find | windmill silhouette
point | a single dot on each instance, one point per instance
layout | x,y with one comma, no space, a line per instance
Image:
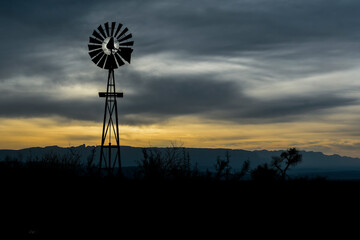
110,49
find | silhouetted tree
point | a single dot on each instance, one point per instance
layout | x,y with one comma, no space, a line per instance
55,165
287,159
171,163
10,166
244,169
90,167
223,169
195,172
152,166
12,162
177,161
264,173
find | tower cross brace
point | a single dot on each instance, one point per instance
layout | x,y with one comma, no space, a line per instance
110,157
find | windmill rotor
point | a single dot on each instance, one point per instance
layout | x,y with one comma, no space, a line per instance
110,45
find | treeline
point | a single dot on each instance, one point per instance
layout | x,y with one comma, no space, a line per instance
174,164
171,163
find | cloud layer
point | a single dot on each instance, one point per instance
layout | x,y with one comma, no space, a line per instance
239,62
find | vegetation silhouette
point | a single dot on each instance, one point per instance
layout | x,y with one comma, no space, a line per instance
60,194
287,159
169,164
224,170
263,173
50,165
173,163
278,167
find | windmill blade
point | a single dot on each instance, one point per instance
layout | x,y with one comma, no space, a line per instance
101,30
123,32
107,29
97,35
112,28
98,57
127,43
125,53
93,40
120,62
94,47
96,52
118,29
102,61
125,38
110,62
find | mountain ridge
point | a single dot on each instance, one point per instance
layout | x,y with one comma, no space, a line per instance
314,163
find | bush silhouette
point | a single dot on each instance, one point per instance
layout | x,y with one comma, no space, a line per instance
172,163
49,165
264,173
279,166
224,170
222,167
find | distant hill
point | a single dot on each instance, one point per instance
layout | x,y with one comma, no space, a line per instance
313,164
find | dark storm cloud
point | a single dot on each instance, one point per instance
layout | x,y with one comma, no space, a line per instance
158,101
283,110
197,27
223,101
207,27
34,35
47,39
42,105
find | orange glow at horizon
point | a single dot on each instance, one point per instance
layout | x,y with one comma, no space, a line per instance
192,132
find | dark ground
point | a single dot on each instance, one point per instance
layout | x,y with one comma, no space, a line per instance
109,208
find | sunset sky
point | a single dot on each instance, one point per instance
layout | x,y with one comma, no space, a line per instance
245,74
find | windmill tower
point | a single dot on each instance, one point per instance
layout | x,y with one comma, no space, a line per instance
109,48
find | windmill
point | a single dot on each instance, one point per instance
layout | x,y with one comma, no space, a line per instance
109,48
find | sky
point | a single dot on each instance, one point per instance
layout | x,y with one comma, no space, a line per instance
245,74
